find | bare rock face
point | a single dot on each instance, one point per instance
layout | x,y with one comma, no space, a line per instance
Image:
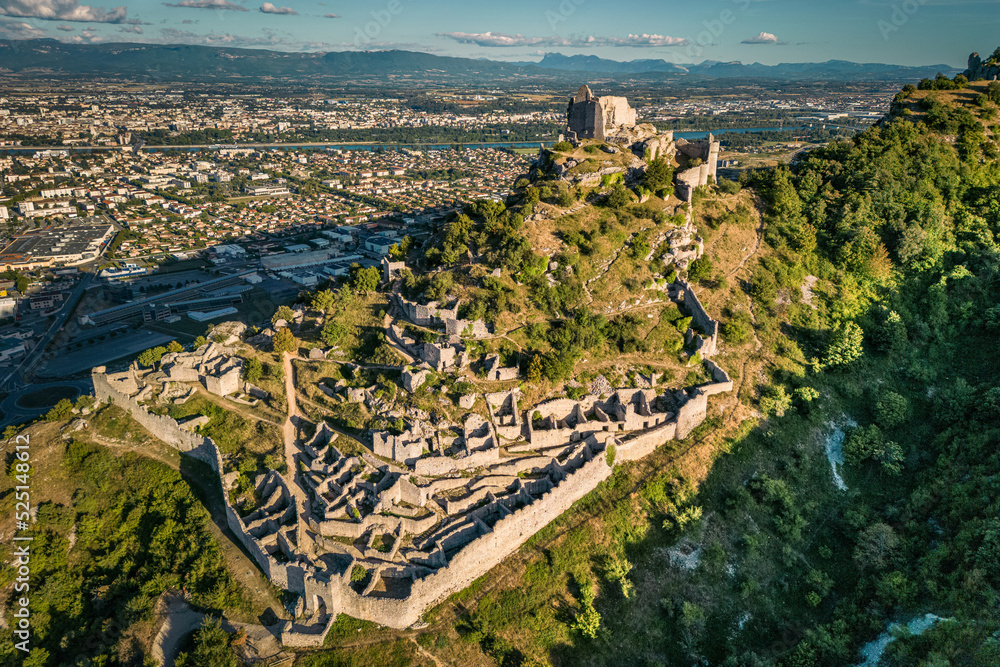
980,70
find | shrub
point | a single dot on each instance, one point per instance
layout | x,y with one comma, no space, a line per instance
739,329
565,198
563,147
730,187
701,269
252,370
59,411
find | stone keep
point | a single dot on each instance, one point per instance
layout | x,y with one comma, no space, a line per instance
225,384
591,117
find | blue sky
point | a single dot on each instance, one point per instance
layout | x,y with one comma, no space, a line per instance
909,32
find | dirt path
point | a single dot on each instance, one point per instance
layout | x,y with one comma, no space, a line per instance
179,620
289,433
760,239
232,406
424,652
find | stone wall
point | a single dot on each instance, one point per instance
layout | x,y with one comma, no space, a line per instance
478,556
709,345
433,314
290,576
706,150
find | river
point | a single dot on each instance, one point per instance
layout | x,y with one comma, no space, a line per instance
369,146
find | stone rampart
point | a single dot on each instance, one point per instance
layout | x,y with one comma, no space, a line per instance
700,317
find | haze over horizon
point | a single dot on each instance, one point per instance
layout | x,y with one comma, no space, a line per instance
914,32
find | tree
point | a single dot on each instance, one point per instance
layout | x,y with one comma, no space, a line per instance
332,332
212,646
890,334
701,269
739,329
252,370
365,280
60,410
323,301
588,620
868,443
877,547
283,313
659,175
199,341
151,357
618,570
565,198
174,347
763,287
618,197
846,347
284,341
891,410
535,369
775,400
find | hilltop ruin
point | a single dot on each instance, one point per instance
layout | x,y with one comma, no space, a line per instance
612,120
385,534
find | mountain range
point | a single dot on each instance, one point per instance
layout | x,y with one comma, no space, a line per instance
44,58
831,70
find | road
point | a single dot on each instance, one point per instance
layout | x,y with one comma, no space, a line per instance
21,380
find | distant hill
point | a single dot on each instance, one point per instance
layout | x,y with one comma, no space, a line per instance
186,62
832,70
51,58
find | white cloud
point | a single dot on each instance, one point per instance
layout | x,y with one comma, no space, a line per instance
499,39
268,8
19,30
762,38
208,4
62,10
66,28
331,16
135,29
88,36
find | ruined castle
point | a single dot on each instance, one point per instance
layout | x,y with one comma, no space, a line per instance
598,118
612,120
384,535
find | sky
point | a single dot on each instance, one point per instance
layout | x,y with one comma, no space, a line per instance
905,32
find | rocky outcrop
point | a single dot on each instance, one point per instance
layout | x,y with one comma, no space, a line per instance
980,70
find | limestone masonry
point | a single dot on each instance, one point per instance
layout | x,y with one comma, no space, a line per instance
428,511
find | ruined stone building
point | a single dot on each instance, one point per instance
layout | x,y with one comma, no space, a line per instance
591,117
